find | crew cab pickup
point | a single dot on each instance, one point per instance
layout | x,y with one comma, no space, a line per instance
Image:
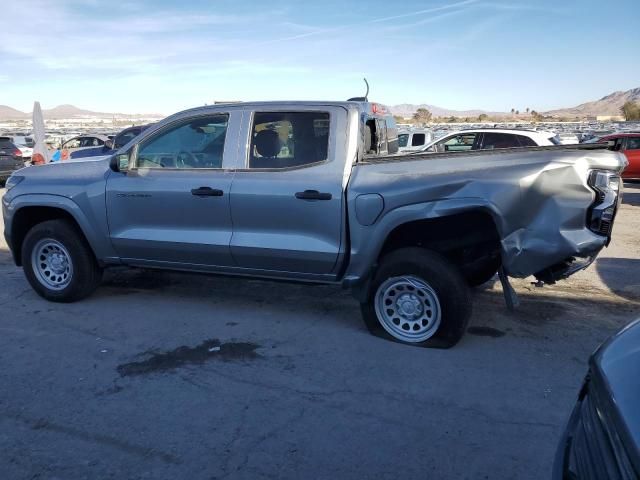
315,192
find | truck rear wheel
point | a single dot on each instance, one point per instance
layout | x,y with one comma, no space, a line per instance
419,298
58,262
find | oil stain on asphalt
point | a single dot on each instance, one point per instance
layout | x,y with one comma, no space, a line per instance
208,350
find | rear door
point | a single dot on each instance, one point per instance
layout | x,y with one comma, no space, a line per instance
171,207
287,195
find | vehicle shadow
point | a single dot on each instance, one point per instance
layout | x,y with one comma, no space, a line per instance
5,256
280,299
621,275
631,197
537,308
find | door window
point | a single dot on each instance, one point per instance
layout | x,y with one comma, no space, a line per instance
73,143
196,143
633,143
417,139
124,137
499,140
459,143
526,141
288,139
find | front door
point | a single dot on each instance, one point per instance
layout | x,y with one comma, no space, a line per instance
286,199
172,204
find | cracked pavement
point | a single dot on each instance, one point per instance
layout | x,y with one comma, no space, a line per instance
320,398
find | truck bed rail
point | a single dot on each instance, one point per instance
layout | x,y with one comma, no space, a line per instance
402,157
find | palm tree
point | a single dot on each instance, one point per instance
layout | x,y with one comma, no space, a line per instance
527,109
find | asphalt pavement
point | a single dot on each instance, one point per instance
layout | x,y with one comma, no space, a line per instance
167,376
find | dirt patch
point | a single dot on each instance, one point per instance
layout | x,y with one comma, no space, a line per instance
207,351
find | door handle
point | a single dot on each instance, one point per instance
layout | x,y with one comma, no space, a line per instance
313,195
207,192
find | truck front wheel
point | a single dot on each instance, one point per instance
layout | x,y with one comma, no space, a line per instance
419,298
58,262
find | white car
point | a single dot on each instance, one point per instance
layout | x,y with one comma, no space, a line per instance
413,139
25,145
490,139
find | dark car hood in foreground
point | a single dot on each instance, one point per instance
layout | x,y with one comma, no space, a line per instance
617,362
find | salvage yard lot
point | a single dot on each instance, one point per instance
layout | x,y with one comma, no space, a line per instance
166,375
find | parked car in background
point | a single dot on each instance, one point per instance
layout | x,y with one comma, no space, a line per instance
629,144
112,144
413,139
566,138
10,158
81,142
490,139
602,437
25,145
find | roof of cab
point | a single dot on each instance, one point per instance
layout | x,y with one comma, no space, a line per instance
368,107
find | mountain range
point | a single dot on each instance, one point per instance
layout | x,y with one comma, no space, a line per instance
65,111
607,105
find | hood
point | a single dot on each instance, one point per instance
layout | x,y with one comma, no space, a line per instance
81,168
68,178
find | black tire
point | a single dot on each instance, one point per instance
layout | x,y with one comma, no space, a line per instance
483,272
442,277
86,274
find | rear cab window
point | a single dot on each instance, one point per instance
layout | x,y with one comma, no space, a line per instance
289,139
380,131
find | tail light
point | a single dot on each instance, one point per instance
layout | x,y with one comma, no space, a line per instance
17,153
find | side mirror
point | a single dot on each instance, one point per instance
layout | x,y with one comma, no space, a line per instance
119,163
109,144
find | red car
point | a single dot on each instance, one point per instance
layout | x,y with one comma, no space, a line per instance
629,144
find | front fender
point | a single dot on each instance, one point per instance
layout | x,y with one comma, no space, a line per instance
92,222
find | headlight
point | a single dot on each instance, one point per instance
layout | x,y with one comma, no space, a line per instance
601,180
600,217
12,181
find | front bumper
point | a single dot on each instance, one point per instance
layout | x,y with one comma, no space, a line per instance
6,216
567,267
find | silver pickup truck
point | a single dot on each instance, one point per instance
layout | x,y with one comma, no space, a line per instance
315,192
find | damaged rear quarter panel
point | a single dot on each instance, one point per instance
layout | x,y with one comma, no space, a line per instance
538,199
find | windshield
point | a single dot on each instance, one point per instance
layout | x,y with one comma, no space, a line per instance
403,140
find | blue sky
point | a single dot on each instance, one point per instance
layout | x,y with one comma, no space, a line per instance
163,56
